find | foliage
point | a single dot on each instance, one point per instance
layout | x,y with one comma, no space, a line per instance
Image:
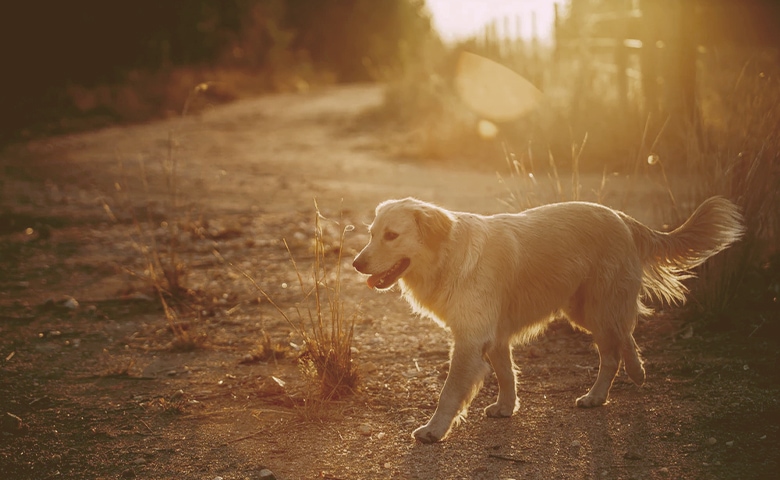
121,61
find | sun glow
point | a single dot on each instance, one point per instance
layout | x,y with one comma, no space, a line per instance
460,19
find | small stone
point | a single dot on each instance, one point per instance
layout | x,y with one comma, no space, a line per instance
712,441
266,474
368,367
663,470
576,443
365,429
70,303
139,461
730,443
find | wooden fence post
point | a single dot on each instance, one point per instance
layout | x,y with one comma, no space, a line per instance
648,59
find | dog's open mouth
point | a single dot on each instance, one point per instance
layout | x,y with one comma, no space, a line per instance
387,278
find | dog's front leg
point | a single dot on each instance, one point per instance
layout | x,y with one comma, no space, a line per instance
500,356
467,371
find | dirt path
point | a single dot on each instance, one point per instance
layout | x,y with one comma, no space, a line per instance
94,391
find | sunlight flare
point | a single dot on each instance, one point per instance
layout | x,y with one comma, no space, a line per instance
492,90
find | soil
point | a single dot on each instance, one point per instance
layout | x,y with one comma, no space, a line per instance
96,385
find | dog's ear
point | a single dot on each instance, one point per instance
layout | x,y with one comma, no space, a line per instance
433,224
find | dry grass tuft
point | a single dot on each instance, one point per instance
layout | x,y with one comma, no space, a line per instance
164,268
266,351
320,319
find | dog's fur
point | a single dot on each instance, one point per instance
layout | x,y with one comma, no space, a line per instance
499,280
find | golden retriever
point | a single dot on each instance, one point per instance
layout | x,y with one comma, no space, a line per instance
499,280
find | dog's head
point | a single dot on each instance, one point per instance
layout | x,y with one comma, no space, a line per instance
404,234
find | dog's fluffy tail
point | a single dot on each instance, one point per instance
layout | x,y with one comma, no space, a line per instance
667,258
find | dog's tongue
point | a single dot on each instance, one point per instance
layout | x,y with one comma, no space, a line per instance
373,280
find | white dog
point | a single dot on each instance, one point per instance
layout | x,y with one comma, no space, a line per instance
499,280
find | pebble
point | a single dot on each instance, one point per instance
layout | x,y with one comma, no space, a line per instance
576,443
266,474
730,443
70,303
369,367
712,441
364,429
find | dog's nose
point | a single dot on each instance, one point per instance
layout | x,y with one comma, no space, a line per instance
358,264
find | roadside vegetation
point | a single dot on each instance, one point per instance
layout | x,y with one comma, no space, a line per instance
547,155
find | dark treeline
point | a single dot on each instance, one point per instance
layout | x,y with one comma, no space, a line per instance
48,45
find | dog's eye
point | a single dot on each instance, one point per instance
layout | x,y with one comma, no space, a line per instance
390,235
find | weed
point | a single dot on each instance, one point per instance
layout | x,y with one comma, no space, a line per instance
176,404
320,319
525,191
266,350
164,269
119,367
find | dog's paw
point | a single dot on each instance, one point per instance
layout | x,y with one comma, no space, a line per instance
589,401
427,434
499,411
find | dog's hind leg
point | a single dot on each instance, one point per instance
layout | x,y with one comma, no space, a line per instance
632,362
609,353
467,372
500,357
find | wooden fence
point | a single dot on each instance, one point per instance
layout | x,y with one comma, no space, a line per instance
649,43
648,48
